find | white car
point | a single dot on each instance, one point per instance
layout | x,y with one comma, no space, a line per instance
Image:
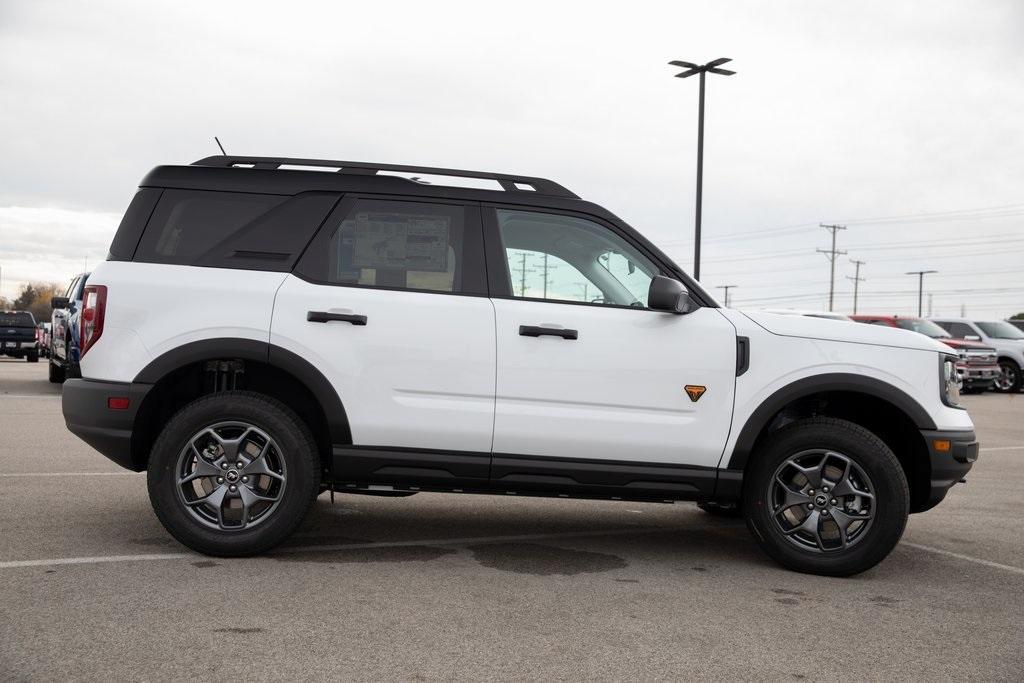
260,335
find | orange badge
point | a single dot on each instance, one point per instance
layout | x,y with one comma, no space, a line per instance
694,391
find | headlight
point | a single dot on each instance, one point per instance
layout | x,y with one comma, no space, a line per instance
949,381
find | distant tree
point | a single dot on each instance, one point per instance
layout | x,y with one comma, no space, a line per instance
34,297
5,303
1019,316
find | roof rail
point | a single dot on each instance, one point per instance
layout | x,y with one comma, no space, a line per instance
509,183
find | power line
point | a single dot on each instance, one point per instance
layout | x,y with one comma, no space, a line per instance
831,256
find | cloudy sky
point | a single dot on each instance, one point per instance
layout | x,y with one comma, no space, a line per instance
903,121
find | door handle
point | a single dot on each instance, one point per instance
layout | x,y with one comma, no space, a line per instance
325,317
536,331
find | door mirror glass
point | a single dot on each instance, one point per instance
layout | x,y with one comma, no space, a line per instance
59,302
670,295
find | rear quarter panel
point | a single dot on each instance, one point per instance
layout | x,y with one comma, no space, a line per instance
154,308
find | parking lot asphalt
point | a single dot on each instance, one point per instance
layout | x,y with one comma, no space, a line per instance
481,587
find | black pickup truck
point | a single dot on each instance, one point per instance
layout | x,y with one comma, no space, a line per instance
18,335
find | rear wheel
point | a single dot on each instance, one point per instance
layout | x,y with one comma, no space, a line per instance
233,474
1009,379
32,356
826,496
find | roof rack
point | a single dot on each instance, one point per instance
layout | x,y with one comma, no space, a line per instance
509,183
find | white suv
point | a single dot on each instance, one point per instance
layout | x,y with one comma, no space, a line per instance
260,334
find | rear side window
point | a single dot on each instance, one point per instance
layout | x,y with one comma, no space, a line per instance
126,239
399,245
232,229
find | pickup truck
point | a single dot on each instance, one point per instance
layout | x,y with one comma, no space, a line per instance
18,335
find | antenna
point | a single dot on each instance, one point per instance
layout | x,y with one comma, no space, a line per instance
220,145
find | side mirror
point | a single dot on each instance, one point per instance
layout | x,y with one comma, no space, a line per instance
59,302
666,294
972,337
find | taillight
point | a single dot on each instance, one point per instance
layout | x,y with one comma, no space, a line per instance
94,307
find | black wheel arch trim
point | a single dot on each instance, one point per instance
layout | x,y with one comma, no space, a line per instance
817,384
264,352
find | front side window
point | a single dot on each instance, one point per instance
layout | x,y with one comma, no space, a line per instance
564,258
395,245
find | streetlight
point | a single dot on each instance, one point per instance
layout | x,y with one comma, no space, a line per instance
692,69
920,286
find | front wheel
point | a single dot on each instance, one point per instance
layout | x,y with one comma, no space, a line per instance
32,356
1009,379
56,373
233,474
826,496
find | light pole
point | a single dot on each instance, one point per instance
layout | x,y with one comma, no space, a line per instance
692,69
726,288
920,287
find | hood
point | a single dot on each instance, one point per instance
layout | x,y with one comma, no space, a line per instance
964,344
844,331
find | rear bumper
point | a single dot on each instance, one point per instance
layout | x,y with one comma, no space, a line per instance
949,465
88,416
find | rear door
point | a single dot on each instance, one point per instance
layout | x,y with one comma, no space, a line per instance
390,303
586,372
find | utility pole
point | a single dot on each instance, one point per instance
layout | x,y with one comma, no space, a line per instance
712,67
831,254
963,310
857,279
920,288
929,305
726,288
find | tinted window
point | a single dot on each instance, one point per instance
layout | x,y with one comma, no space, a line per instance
122,248
565,258
187,223
19,319
398,245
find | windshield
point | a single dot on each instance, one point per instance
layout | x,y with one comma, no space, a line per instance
925,327
1001,330
17,319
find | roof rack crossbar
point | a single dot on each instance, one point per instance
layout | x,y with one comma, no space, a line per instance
509,183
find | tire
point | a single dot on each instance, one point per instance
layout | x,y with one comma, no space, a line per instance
32,356
292,454
1010,381
873,525
56,373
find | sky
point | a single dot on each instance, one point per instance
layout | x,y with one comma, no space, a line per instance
901,121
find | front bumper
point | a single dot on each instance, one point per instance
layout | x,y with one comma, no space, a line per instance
952,454
89,417
978,376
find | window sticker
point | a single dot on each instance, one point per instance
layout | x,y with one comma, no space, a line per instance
400,241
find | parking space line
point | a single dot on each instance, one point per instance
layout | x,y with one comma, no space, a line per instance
1002,448
966,558
69,474
104,559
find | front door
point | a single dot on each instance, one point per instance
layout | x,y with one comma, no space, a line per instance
585,370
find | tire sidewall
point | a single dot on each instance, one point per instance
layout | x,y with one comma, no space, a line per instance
297,451
892,498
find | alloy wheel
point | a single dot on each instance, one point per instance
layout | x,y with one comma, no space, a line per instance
230,476
821,501
1007,377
